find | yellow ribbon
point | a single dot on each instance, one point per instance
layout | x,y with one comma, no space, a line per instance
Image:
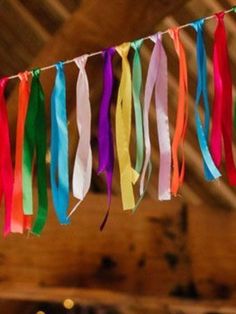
128,175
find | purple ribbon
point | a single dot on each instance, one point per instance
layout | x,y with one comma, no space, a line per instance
105,138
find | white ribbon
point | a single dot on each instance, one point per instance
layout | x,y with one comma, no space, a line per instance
83,161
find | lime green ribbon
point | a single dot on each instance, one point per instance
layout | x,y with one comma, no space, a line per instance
35,141
136,87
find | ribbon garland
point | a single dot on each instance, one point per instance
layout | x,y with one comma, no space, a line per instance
182,114
83,161
223,102
19,221
6,171
210,170
35,141
157,78
59,170
128,175
105,137
31,143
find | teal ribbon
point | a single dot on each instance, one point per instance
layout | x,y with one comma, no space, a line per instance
136,88
59,170
35,142
210,170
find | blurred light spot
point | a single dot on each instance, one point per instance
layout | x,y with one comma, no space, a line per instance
40,312
68,304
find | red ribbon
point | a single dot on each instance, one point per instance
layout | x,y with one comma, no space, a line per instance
19,221
222,105
6,171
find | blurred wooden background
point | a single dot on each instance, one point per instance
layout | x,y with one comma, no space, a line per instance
179,249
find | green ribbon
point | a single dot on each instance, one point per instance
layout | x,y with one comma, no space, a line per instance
35,141
136,87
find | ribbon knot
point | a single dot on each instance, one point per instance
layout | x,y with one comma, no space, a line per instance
24,76
136,45
3,82
198,25
81,62
123,49
220,16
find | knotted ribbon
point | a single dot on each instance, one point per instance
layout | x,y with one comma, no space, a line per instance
223,102
210,170
19,221
136,88
128,175
35,143
157,78
6,171
182,115
59,170
105,138
83,161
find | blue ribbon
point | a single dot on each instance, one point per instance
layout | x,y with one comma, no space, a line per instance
59,147
210,170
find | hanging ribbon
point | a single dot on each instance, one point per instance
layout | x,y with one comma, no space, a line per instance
6,171
59,147
223,102
128,176
157,78
83,161
182,114
210,170
105,138
136,88
19,221
35,140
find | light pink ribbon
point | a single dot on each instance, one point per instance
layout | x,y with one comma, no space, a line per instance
157,78
83,161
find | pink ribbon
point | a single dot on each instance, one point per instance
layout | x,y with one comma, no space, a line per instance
157,78
6,171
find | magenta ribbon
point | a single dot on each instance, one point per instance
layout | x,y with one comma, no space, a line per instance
6,170
105,138
223,102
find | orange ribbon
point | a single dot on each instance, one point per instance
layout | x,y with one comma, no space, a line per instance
19,221
182,114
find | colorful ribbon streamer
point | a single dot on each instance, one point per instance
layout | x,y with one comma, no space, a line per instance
59,170
35,141
105,138
210,170
136,88
157,78
223,102
83,161
6,171
19,221
128,175
182,114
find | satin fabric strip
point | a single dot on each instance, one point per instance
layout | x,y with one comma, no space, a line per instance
35,145
182,115
6,170
105,137
223,102
210,170
157,80
19,221
136,89
59,170
128,175
83,161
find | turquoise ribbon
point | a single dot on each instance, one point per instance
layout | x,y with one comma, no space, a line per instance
59,170
136,87
210,170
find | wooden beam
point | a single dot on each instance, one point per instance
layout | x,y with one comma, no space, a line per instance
122,303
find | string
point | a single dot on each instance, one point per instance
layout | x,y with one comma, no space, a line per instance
233,9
